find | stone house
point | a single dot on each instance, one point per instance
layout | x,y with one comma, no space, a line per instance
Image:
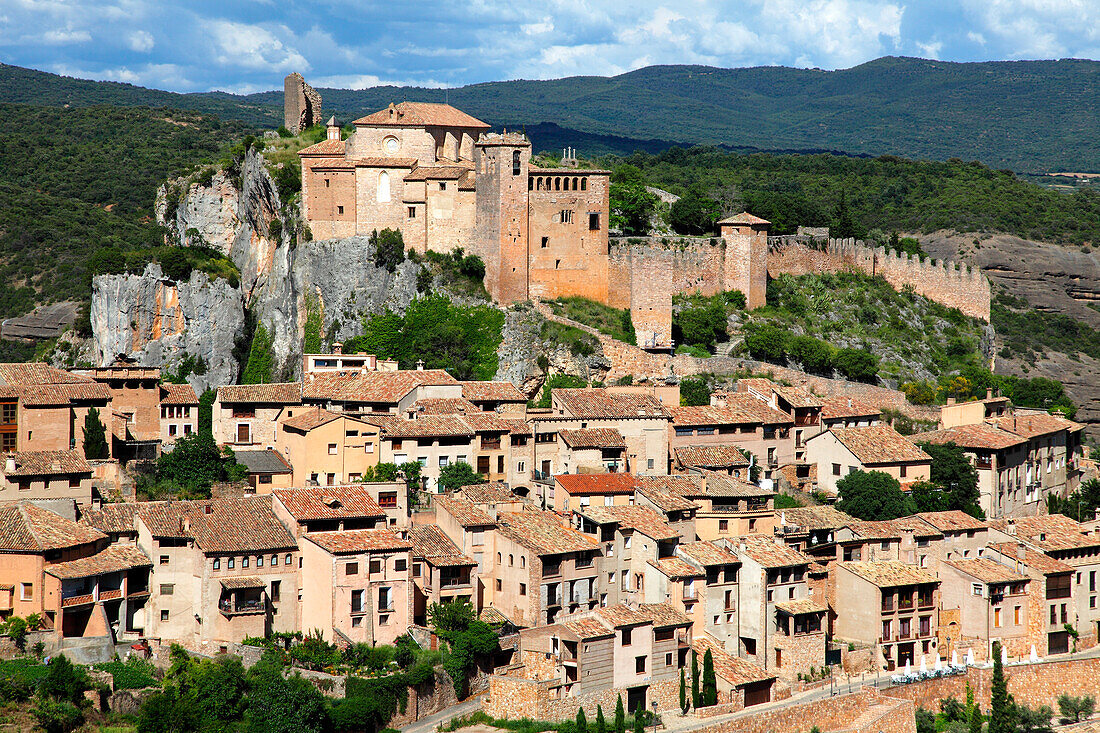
60,474
357,584
591,450
327,509
812,529
973,412
502,398
540,570
1050,594
493,498
727,459
711,595
360,393
997,456
741,683
267,469
838,452
992,604
798,402
441,573
888,605
665,494
43,408
963,535
179,412
572,492
631,537
471,528
906,539
742,421
248,415
730,506
1053,448
135,399
223,569
327,448
846,412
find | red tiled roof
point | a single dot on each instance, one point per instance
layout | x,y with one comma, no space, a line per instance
710,456
977,436
1035,424
587,628
28,528
718,484
112,518
592,438
676,569
112,559
421,114
1039,561
46,463
542,532
663,498
329,502
490,493
952,520
743,218
1048,532
44,395
177,394
889,573
373,387
814,517
464,511
492,392
596,484
769,554
986,570
707,553
734,670
359,540
739,410
20,374
638,518
279,393
325,148
437,173
312,418
220,526
878,444
599,403
838,408
431,544
444,406
427,426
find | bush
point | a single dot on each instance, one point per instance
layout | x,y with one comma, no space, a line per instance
133,674
389,248
857,365
814,355
766,342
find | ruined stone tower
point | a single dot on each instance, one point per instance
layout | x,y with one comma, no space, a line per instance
502,230
301,104
746,260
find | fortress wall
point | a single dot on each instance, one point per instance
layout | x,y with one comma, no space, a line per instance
568,257
951,284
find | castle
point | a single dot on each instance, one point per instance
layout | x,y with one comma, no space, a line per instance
442,179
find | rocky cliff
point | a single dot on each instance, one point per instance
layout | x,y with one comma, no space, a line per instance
159,323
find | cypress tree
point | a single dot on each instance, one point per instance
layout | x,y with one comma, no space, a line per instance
695,680
95,436
582,722
1002,718
683,693
620,716
639,723
710,682
601,723
973,712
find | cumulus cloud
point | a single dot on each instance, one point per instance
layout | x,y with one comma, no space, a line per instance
64,36
141,41
248,46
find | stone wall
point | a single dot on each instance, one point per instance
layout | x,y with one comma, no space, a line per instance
862,711
301,104
952,284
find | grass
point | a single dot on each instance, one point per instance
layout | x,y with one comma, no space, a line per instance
580,343
615,322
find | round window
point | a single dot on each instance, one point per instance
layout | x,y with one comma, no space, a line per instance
390,144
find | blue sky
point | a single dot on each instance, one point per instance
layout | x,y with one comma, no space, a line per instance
245,46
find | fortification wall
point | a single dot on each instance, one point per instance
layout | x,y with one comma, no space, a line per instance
952,284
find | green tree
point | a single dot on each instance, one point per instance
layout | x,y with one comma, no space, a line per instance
620,716
195,462
582,722
389,248
601,722
843,225
467,637
64,681
175,264
285,705
975,720
95,436
696,697
1073,709
1036,720
631,205
872,495
684,706
701,325
694,213
928,497
312,342
813,354
206,412
695,391
856,364
639,720
766,342
56,716
455,475
953,471
260,368
1002,710
926,721
710,682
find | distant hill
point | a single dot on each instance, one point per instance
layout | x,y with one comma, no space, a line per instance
1031,116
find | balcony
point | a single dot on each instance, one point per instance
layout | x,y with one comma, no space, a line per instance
83,599
488,444
802,421
243,607
110,595
925,601
689,596
450,583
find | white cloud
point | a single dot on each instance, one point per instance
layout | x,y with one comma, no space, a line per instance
248,46
141,41
977,38
365,81
59,37
931,49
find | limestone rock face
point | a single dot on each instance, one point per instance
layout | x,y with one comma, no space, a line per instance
523,345
301,104
157,322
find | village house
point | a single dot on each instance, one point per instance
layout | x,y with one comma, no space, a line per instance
571,492
436,441
838,452
248,415
357,585
338,361
441,573
742,421
267,469
907,539
1051,465
986,602
60,474
702,581
494,498
179,412
360,393
846,412
502,398
135,405
973,412
728,459
741,683
798,402
223,570
963,535
44,409
1050,589
665,495
997,456
811,529
327,448
887,605
470,527
729,506
327,509
591,450
631,537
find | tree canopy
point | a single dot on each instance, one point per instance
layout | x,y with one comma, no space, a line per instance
872,495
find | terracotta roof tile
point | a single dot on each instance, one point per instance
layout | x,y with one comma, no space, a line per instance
20,374
490,493
334,148
814,517
385,162
28,528
986,570
638,518
889,573
112,559
312,418
588,628
46,463
421,114
359,540
978,436
492,392
329,502
675,568
112,519
267,461
1039,561
744,218
1048,532
241,582
486,422
44,395
427,426
432,545
717,484
800,606
464,511
734,670
710,456
543,533
839,408
878,444
437,173
599,403
177,394
664,499
371,387
952,521
444,406
596,484
620,615
769,554
707,553
1035,424
592,438
663,615
740,409
279,393
220,526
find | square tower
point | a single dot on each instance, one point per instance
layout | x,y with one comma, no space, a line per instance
501,236
746,261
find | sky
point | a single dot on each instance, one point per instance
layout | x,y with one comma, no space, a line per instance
245,46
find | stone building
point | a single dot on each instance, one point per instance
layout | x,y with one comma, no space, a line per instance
301,104
62,474
43,408
991,602
631,537
838,452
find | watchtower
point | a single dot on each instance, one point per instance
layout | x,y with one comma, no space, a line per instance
746,261
501,229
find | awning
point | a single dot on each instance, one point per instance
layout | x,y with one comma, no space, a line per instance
239,583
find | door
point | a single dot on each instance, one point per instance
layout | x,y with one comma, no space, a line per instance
758,693
244,433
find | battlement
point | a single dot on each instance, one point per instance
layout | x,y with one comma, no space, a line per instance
509,139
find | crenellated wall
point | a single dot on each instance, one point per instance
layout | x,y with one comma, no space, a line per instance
953,284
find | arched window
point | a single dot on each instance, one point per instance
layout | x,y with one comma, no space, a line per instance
530,183
575,181
584,184
383,187
557,184
538,184
515,162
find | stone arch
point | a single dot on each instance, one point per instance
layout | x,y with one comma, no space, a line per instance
530,183
557,184
584,184
575,183
383,187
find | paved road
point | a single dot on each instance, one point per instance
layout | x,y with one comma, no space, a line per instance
429,724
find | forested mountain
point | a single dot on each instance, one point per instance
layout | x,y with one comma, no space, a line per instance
1029,116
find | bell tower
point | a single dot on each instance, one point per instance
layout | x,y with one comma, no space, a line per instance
501,230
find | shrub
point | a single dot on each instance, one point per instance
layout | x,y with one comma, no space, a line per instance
766,342
857,364
389,248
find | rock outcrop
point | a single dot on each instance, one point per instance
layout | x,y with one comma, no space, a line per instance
159,323
301,104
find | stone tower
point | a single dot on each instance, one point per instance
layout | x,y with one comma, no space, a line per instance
746,261
501,230
301,104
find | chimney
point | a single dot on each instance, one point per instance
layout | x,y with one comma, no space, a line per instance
337,348
9,464
55,466
419,365
332,128
989,393
849,403
950,400
1021,551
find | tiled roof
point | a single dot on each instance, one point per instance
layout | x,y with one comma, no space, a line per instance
312,418
587,628
599,403
978,436
30,529
177,394
359,540
492,392
797,396
743,218
325,148
710,456
1048,532
46,463
1033,425
675,568
734,670
596,484
322,163
517,426
889,573
112,559
262,461
740,409
707,553
801,605
490,493
430,543
329,502
42,395
639,518
592,438
373,387
839,408
427,426
444,406
464,511
663,498
21,374
220,526
986,570
815,517
486,422
112,518
877,444
542,532
280,393
437,173
718,484
952,520
1039,561
421,114
663,615
870,530
620,615
242,582
769,554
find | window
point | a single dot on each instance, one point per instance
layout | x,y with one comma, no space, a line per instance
593,221
649,464
356,621
886,630
217,563
442,185
375,566
639,665
164,560
351,568
357,601
26,591
1016,615
7,413
400,564
626,541
523,589
287,562
515,163
171,430
244,562
230,563
167,589
412,212
566,216
836,469
327,182
163,615
500,585
902,470
387,499
339,209
996,618
383,195
444,461
260,561
274,560
723,525
976,589
385,599
668,659
276,590
627,636
332,449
